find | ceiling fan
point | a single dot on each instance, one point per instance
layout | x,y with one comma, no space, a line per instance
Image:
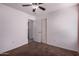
35,6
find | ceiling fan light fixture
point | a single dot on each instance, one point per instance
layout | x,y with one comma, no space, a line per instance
35,6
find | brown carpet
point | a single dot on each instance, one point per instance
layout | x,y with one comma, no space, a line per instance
39,49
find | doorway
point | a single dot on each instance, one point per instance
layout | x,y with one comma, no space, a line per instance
30,30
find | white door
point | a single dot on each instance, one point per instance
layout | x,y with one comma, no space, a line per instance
40,30
37,31
44,30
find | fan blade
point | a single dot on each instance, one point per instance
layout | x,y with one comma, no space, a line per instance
42,8
34,3
26,5
34,10
40,3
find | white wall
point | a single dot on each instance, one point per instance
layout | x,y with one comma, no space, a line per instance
62,28
13,28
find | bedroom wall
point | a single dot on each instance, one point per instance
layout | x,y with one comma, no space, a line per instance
13,28
62,28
